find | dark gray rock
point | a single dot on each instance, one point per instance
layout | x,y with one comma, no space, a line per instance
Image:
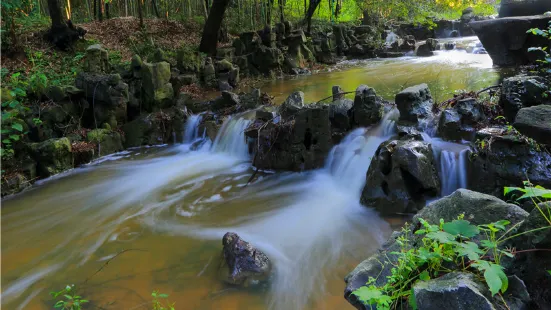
507,40
292,104
245,262
368,107
402,175
340,112
535,122
458,123
455,290
510,8
415,103
52,156
522,91
337,92
424,50
228,99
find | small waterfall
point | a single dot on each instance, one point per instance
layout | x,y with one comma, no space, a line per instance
391,38
230,138
191,130
451,159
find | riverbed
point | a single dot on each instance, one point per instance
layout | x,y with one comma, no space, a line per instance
157,215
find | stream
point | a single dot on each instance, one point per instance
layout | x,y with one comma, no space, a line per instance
162,211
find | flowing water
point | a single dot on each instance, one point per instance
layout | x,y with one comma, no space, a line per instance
157,215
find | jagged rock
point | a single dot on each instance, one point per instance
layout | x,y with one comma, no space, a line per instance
424,50
415,103
228,99
535,122
298,54
507,40
534,238
156,86
340,112
159,56
224,86
510,8
448,46
299,144
455,290
226,53
267,60
368,107
458,123
250,40
522,91
337,92
432,43
251,100
504,160
408,44
108,141
14,183
223,66
182,80
209,74
154,128
188,61
245,262
52,156
96,60
107,96
401,176
340,33
293,104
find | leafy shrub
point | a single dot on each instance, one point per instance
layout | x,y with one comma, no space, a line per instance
69,298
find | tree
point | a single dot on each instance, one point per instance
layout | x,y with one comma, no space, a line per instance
311,10
62,33
212,27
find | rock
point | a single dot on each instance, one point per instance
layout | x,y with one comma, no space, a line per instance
415,103
337,92
224,86
401,176
432,43
454,34
14,183
156,86
510,8
245,263
292,104
159,56
455,290
233,78
340,112
478,208
424,50
251,100
223,66
298,54
534,238
267,60
209,74
250,40
448,46
155,128
504,160
189,61
226,53
408,44
108,141
299,144
182,80
507,40
107,96
458,123
516,296
52,156
419,32
228,99
522,91
96,60
368,107
535,122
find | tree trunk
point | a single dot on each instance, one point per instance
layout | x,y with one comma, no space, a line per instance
281,16
311,10
212,27
107,11
62,33
100,10
140,14
96,5
155,9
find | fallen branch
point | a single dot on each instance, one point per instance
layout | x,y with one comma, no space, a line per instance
109,260
487,89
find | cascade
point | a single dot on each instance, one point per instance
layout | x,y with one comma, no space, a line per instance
191,130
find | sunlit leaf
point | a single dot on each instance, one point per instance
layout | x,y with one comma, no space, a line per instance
461,227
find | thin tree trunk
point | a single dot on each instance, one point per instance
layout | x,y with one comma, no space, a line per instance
95,10
212,27
155,9
140,13
311,10
100,10
107,11
281,16
125,8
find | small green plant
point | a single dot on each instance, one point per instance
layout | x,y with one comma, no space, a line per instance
69,298
157,301
535,193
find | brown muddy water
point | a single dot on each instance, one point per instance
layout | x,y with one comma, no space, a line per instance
168,208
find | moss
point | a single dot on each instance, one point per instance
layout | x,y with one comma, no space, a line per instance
108,141
189,60
52,156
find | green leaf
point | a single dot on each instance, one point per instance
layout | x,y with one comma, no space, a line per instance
549,271
368,294
17,127
163,295
411,300
469,249
6,141
441,236
494,276
424,276
488,244
461,227
14,137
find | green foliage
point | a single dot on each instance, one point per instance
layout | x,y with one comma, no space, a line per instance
444,247
535,193
546,61
158,303
69,299
12,109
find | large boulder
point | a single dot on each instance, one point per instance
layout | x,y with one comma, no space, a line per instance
293,104
510,8
507,40
455,290
296,143
156,86
535,122
502,159
52,156
228,99
96,60
245,263
267,60
340,112
188,61
522,91
415,103
402,175
155,128
107,141
368,107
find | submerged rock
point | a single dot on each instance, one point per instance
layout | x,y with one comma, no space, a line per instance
245,262
401,176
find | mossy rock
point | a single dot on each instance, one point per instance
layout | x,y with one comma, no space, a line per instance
156,83
52,156
108,141
189,61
